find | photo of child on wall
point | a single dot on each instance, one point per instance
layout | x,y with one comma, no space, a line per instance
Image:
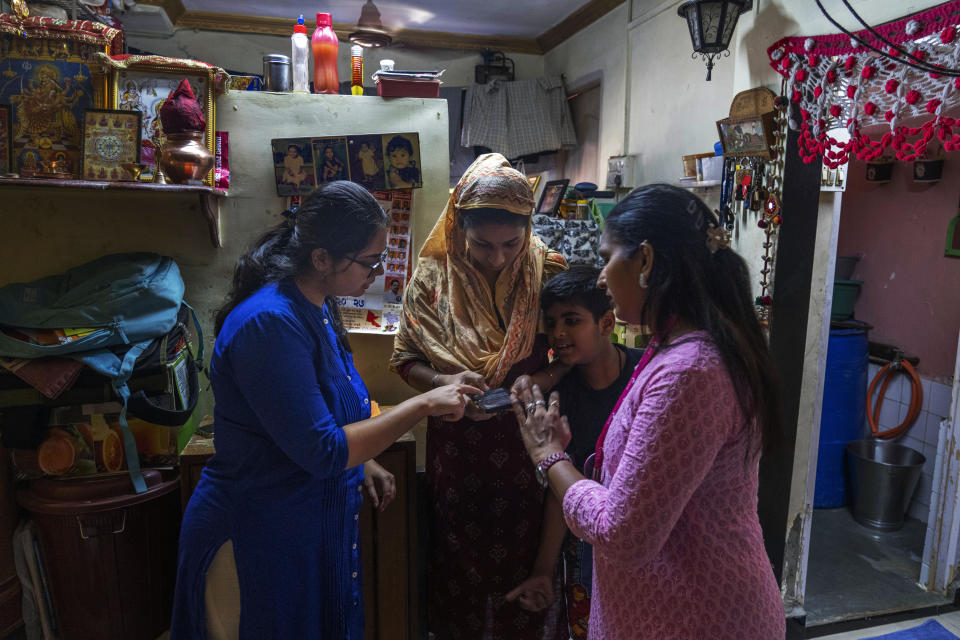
331,158
366,161
402,152
293,166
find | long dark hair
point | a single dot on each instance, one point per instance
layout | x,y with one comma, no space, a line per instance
710,290
340,216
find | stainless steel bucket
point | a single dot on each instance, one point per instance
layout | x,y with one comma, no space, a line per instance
883,477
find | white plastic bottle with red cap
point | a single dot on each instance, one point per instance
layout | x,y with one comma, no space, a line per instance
300,57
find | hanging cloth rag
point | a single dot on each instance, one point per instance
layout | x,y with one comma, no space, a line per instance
518,118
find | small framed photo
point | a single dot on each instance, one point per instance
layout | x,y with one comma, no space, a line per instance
747,136
6,140
111,139
330,159
293,166
552,196
366,161
402,160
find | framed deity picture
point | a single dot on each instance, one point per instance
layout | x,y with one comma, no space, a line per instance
749,136
48,81
144,86
6,138
111,139
552,196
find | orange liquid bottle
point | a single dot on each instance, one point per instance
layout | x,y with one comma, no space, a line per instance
325,45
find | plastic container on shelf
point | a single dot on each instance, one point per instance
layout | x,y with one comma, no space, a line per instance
392,88
300,57
325,46
845,293
109,553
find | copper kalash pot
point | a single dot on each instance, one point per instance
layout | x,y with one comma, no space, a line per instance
185,158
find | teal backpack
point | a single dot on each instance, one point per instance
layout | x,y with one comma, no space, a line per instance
128,299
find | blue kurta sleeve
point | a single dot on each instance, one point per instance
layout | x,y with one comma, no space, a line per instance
272,358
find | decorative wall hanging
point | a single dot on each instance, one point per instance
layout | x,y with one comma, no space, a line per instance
752,180
377,162
47,78
902,71
111,139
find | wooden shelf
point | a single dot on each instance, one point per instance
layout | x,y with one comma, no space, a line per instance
209,196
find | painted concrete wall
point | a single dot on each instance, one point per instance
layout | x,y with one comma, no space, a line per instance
46,231
244,53
909,291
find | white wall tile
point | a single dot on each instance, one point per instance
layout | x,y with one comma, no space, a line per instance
911,441
940,399
925,383
930,453
931,432
924,487
918,511
917,428
889,414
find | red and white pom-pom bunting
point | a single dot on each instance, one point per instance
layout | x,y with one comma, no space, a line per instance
837,81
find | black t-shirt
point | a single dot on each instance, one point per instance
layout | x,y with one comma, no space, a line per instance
588,409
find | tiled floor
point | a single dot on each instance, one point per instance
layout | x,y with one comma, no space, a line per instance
950,621
855,572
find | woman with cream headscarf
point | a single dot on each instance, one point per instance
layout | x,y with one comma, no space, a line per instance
470,315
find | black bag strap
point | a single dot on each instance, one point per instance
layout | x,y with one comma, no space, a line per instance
146,409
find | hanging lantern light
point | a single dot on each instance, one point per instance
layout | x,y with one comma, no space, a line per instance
711,24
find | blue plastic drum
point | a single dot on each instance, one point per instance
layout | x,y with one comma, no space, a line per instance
844,412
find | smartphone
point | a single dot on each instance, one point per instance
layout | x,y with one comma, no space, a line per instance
494,401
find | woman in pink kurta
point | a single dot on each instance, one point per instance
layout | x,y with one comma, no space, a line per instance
671,509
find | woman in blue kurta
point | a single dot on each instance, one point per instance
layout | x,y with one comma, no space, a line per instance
276,510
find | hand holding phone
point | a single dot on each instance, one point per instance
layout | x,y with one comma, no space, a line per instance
494,401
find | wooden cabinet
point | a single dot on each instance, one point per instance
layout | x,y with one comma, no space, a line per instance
388,540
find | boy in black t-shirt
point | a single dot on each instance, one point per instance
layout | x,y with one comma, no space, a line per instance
578,318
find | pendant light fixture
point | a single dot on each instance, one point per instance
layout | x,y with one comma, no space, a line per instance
370,31
711,24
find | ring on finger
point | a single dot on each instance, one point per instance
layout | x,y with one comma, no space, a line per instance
539,403
554,403
530,406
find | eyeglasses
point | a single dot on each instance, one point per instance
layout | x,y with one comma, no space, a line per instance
373,267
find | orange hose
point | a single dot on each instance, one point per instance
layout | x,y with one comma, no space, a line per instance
916,399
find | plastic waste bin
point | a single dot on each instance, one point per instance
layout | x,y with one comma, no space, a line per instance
109,554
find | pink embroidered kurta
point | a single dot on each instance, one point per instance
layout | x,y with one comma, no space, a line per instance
678,551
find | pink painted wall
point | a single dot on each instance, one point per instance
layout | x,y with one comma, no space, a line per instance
911,291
